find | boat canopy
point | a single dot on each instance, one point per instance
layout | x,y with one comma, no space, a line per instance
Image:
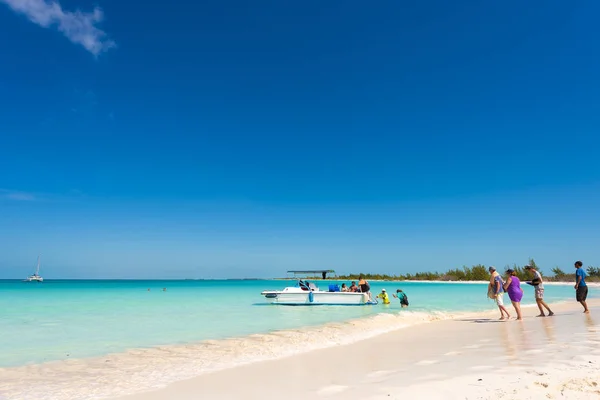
322,272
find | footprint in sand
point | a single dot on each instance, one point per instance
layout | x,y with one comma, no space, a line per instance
532,372
331,389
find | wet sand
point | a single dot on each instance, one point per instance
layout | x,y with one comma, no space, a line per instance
476,357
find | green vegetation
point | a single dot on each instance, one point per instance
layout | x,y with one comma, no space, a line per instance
593,272
477,272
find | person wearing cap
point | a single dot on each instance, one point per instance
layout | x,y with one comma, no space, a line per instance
538,285
580,286
496,289
512,286
384,297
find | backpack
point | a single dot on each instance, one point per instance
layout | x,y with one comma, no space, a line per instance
404,300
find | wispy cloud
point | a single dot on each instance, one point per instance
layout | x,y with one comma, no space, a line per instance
16,195
79,27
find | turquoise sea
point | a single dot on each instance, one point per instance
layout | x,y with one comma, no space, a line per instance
65,319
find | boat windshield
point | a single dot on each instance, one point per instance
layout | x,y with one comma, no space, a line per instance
306,285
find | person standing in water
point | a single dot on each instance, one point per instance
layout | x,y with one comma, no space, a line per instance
384,297
400,295
512,285
497,290
364,286
581,288
538,284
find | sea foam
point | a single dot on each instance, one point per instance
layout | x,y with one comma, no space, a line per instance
145,369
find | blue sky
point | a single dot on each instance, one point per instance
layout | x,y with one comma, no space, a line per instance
227,138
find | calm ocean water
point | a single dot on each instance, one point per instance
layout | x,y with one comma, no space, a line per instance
58,320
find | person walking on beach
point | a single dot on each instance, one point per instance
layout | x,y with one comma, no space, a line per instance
538,286
400,295
496,289
512,285
581,288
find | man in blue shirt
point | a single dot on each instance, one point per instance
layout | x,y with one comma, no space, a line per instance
580,286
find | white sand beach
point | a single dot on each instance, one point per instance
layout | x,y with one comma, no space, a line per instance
590,284
468,358
387,356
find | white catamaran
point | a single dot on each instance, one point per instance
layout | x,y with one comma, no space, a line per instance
308,294
35,277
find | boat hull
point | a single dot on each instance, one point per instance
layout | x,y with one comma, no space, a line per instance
298,297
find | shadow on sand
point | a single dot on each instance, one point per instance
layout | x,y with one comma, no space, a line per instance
481,320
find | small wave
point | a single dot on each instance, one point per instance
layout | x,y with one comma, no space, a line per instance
145,369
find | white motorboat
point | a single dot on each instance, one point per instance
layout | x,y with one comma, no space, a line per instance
307,293
35,277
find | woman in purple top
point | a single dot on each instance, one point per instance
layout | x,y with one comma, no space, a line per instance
512,285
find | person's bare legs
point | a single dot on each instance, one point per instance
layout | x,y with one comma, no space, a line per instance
550,313
517,307
503,310
585,309
539,304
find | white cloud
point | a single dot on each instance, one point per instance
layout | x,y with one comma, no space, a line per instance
15,195
79,27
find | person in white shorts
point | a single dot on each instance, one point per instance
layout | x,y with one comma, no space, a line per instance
496,289
538,284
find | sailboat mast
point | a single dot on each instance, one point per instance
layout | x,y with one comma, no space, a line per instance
37,270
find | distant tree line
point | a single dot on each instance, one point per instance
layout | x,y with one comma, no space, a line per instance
593,274
477,272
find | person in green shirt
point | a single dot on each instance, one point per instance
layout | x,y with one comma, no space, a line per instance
400,295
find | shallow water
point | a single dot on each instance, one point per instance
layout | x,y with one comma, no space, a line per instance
58,320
